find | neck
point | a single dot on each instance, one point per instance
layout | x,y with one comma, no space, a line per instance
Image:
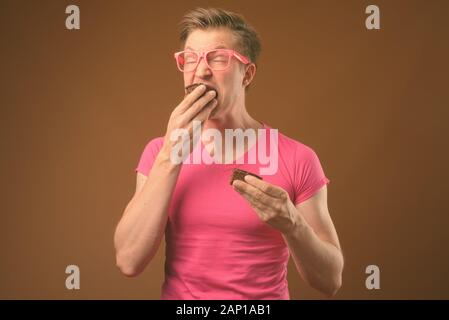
236,118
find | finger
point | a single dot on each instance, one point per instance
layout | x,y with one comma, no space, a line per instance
253,192
190,98
202,116
194,139
199,105
265,187
265,209
254,202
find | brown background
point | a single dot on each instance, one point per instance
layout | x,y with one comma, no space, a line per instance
77,108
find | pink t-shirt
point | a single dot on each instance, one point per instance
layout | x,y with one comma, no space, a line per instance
216,245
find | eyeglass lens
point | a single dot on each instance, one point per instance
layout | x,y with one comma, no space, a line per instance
217,60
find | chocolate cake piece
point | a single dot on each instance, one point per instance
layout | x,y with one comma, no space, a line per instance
239,174
192,87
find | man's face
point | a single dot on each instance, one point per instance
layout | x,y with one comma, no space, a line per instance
228,83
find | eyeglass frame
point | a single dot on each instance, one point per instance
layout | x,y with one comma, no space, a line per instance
203,54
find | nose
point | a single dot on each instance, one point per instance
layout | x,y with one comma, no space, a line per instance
202,70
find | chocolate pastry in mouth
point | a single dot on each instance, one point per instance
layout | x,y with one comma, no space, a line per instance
192,87
239,174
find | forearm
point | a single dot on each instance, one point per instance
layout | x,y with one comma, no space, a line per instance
319,262
139,232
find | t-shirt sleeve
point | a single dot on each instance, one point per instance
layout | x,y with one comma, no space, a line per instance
309,174
148,156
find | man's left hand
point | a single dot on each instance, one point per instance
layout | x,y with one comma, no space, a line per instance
271,203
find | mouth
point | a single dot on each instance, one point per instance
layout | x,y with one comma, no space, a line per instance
192,87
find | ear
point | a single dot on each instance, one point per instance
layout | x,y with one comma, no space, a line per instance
250,72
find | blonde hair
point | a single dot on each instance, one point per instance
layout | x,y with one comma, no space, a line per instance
202,18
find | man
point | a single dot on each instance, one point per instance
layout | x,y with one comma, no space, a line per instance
223,241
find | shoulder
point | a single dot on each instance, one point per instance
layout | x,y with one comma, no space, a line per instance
149,154
157,142
154,145
295,149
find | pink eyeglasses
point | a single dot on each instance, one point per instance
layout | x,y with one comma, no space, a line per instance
217,59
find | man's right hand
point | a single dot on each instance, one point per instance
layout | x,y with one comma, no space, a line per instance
196,105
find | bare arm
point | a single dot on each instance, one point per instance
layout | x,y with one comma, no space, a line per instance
140,231
314,245
307,229
142,226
